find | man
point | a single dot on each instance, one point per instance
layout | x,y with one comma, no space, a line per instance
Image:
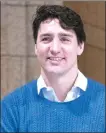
62,99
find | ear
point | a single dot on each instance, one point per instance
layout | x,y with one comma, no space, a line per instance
80,48
36,50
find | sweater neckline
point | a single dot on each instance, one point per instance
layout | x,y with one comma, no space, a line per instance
80,98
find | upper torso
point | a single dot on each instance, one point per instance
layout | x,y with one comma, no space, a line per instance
25,111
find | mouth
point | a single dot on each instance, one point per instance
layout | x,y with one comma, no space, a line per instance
55,60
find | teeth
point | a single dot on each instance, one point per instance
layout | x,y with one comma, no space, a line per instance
55,59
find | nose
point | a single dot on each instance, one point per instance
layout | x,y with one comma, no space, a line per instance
55,47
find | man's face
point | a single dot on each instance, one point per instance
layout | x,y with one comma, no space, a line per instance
57,48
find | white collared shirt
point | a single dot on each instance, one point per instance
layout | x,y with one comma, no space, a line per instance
48,93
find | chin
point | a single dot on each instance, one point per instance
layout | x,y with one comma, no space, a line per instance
55,71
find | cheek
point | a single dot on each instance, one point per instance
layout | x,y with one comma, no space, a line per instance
70,53
42,51
67,51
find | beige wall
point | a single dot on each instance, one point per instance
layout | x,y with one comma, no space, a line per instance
92,62
18,62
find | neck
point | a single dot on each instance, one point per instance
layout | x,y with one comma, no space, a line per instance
61,84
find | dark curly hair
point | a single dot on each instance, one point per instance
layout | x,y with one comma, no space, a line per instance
68,19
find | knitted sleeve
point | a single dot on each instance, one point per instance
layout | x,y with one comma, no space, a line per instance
9,114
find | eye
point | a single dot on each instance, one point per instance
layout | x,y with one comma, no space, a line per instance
65,40
46,39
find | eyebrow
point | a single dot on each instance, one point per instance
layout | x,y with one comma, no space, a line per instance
65,34
60,34
45,34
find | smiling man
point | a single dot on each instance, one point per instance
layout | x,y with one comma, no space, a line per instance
57,50
62,99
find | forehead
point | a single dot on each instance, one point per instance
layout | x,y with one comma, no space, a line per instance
52,26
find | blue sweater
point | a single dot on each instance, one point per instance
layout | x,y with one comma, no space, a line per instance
25,111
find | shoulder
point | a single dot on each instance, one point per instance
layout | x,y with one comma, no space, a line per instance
96,90
95,84
20,94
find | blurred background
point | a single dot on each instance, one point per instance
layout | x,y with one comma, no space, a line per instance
18,61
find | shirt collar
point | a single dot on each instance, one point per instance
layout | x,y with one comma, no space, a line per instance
81,82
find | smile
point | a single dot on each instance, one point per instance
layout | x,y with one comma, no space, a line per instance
55,58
